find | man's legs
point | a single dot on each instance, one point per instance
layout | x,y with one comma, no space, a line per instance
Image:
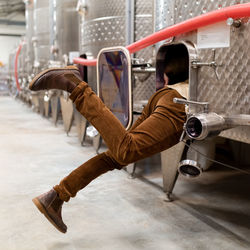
83,175
158,131
154,133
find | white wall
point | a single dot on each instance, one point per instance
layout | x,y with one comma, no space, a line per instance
7,43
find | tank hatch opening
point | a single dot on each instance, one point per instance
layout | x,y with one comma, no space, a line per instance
114,85
172,65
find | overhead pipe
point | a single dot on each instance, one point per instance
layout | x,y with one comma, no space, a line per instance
86,62
235,11
16,65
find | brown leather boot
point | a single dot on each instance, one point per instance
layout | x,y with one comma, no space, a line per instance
57,78
51,206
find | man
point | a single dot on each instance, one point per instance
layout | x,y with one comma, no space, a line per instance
157,129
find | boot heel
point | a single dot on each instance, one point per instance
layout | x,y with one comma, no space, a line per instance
39,205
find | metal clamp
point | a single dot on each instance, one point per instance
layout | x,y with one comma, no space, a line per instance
205,105
144,70
140,67
236,23
82,7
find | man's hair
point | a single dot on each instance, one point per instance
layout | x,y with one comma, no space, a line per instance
177,65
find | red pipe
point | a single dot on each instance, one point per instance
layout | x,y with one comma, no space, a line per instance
83,61
16,66
235,11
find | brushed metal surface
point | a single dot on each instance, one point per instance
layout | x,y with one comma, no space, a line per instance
103,25
164,14
185,9
11,69
55,24
144,86
41,31
64,27
170,159
29,18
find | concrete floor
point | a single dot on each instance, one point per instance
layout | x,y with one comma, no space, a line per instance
113,212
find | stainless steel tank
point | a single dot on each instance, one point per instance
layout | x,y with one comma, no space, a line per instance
55,36
29,18
226,89
64,29
144,85
11,76
109,23
55,30
224,86
3,81
22,70
102,25
41,43
41,38
64,40
28,50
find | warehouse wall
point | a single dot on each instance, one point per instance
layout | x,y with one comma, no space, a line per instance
11,31
7,43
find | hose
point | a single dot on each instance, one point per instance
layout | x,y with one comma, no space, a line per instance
235,11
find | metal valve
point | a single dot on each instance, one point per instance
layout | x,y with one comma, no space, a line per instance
205,105
82,7
212,64
139,66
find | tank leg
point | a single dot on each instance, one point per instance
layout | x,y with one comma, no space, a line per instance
81,124
97,142
46,109
55,107
67,113
41,103
169,197
132,175
169,161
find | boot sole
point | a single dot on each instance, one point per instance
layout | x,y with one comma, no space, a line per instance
46,71
43,210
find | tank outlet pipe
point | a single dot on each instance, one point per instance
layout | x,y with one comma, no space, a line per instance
235,11
203,125
190,168
16,66
199,156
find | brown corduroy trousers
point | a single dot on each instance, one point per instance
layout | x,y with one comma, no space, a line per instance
157,129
